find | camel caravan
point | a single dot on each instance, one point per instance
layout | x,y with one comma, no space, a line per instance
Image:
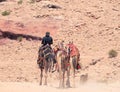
63,59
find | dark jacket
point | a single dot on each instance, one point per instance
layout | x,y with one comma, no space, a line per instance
47,40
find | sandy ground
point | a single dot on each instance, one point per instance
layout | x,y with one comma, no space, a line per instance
34,87
93,25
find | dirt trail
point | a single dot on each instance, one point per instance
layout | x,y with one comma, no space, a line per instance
33,87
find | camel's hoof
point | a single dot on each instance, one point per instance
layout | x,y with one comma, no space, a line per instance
61,87
68,86
45,83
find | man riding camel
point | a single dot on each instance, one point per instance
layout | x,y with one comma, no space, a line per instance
48,40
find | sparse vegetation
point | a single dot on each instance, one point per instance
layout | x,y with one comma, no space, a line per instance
20,2
20,38
5,13
32,1
112,53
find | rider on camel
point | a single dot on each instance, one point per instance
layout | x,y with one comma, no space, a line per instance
48,40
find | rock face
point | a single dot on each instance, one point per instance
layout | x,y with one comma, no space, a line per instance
2,0
92,25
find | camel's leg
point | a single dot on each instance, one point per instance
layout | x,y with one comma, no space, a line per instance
45,78
41,76
72,72
60,78
68,77
60,71
51,78
63,78
73,77
46,70
74,60
50,72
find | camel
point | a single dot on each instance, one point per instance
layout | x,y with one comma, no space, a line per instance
62,61
62,65
74,59
45,62
66,62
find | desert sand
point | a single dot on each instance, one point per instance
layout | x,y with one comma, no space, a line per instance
93,26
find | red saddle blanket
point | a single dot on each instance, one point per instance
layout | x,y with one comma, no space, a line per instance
73,50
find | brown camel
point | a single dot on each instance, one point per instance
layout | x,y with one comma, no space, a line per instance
62,65
74,55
